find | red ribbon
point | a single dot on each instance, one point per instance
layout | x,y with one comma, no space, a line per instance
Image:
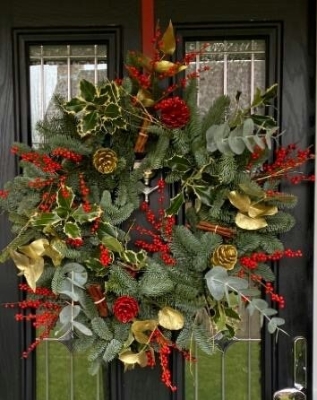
147,21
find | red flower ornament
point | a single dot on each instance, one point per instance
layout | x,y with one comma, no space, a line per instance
125,309
174,112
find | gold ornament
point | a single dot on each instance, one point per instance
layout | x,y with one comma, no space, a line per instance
105,160
169,318
130,359
29,259
138,329
225,256
250,214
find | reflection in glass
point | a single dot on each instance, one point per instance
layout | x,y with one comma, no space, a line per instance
237,65
58,69
234,372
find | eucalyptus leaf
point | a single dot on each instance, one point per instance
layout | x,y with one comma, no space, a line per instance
82,328
216,280
68,313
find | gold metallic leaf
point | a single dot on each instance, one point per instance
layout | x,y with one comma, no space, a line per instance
130,358
241,201
251,224
52,252
168,67
261,209
31,268
168,43
138,328
170,318
145,98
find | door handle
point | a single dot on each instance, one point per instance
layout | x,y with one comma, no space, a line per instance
299,373
289,394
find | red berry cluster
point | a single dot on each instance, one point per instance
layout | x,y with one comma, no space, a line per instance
42,161
144,80
105,256
48,199
95,226
77,242
67,154
251,262
286,160
174,112
4,194
40,183
163,227
44,312
279,299
84,191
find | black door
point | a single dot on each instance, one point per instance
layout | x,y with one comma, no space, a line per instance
288,29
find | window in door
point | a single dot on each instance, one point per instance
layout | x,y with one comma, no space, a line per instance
237,67
55,65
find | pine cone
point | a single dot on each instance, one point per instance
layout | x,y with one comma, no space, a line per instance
105,160
225,256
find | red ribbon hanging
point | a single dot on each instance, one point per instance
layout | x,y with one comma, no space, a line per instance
147,25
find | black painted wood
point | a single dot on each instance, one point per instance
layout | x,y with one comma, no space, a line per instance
297,24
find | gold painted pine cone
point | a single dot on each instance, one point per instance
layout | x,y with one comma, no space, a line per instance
105,160
225,256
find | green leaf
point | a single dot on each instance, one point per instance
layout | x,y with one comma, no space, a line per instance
81,216
65,197
235,141
68,313
178,163
82,328
87,90
75,105
76,273
88,123
112,243
112,111
216,279
72,230
175,204
204,193
274,323
45,219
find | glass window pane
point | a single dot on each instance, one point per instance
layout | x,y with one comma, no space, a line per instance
233,372
58,69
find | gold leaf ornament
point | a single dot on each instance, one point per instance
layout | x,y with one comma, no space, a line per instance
250,214
172,319
225,256
29,260
139,330
167,44
105,160
130,359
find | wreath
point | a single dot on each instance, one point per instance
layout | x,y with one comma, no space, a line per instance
205,188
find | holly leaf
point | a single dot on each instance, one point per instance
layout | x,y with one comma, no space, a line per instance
75,105
81,216
175,204
65,197
45,219
72,230
87,90
88,123
112,243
